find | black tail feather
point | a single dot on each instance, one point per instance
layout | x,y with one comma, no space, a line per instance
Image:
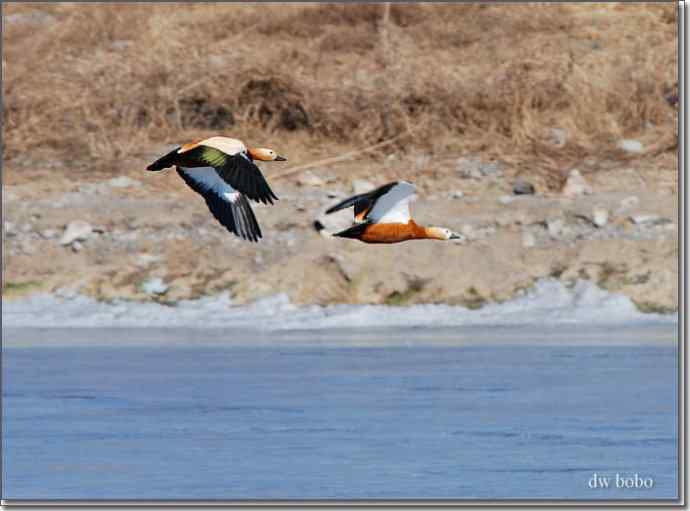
166,161
356,231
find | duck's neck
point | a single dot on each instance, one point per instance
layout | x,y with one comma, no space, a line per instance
426,233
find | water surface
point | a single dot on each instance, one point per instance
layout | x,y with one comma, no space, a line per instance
320,420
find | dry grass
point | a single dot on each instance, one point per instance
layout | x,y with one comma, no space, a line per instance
105,81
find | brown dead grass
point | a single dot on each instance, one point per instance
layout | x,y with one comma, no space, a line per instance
106,81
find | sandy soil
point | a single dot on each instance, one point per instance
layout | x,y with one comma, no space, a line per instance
153,239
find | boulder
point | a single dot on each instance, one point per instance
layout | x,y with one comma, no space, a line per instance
77,230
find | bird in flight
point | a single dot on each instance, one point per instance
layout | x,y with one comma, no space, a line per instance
383,216
223,171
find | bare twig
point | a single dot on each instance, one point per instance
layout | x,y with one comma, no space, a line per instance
336,159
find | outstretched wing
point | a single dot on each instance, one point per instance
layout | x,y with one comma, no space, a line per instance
363,202
230,207
393,205
238,170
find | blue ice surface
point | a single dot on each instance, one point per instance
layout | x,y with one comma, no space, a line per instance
157,420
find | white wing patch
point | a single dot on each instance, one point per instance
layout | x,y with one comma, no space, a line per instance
231,196
226,145
394,206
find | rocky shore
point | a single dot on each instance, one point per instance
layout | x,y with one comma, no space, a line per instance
146,237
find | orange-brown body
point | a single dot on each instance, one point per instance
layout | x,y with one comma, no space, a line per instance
395,233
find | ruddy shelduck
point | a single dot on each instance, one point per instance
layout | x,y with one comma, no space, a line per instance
383,216
222,171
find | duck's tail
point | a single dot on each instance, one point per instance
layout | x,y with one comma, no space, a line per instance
355,232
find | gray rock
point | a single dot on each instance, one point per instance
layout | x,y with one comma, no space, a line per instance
27,228
30,18
124,182
600,216
144,260
475,168
555,227
9,229
631,146
559,137
528,239
154,286
308,178
26,247
629,202
77,230
505,219
505,199
523,187
643,219
120,44
48,234
76,246
361,186
422,161
576,185
457,194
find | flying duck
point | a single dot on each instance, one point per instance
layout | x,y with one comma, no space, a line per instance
222,171
383,216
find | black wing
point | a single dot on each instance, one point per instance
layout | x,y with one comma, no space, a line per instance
238,170
230,207
166,161
362,202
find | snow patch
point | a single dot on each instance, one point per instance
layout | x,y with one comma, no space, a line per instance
549,302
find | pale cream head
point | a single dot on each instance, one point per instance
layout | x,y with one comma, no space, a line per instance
441,233
264,154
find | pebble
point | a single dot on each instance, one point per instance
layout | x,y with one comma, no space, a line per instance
505,219
49,233
475,168
76,246
600,216
629,202
648,219
30,18
77,230
522,187
559,137
9,229
422,161
361,186
310,179
457,194
576,185
528,239
123,182
555,227
154,286
631,146
146,259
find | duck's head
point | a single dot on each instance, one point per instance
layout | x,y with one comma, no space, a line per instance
441,233
264,154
